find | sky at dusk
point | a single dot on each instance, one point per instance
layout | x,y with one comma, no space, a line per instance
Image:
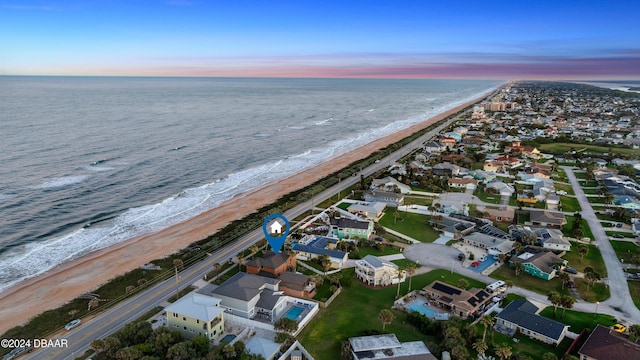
379,39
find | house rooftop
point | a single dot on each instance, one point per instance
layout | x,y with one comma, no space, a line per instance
543,260
524,314
388,346
197,306
376,262
350,223
319,246
270,260
604,343
241,286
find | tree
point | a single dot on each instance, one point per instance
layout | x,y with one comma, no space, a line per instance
591,277
178,264
583,250
217,267
517,266
480,347
566,301
411,269
285,324
459,352
549,356
634,332
502,351
325,261
564,278
97,345
254,250
555,300
486,321
181,351
401,273
386,317
130,289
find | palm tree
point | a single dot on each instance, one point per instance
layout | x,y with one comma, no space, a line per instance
564,278
555,300
386,317
517,266
567,301
462,283
178,264
480,347
401,273
486,321
325,261
411,269
217,267
254,249
502,351
583,250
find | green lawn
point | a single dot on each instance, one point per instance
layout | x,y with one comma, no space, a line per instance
594,293
355,312
591,191
584,225
344,205
565,187
413,225
530,347
570,204
596,200
579,320
488,198
634,289
388,250
529,282
626,234
592,259
404,263
625,250
588,183
582,175
418,200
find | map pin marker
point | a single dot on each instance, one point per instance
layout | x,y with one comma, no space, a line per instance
275,228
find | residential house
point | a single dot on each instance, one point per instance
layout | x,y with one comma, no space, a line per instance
546,218
522,316
250,296
264,347
500,214
272,263
509,162
542,264
483,176
448,141
454,135
434,147
196,314
390,184
502,188
491,244
451,207
390,199
297,285
552,239
465,183
315,247
446,169
387,346
370,210
458,301
493,166
452,227
604,344
375,271
531,152
344,228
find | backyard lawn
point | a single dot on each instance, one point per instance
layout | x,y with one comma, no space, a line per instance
570,204
586,230
355,312
529,282
412,225
565,187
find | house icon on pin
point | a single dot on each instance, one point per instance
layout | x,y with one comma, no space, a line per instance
275,227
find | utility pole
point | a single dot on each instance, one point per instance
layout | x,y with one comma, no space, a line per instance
177,291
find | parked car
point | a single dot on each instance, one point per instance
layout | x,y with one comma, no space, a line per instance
570,270
72,324
378,238
619,328
617,236
17,352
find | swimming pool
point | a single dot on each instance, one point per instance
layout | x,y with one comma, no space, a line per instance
484,264
227,338
294,312
420,307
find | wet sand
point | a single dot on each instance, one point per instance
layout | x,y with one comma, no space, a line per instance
64,283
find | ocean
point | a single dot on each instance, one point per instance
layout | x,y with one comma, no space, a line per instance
88,162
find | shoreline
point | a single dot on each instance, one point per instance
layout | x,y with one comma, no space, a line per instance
88,272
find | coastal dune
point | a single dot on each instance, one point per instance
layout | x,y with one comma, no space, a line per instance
72,279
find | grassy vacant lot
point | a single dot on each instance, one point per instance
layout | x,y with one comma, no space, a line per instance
586,230
634,289
388,250
625,250
563,148
355,312
529,282
570,204
418,200
579,320
488,198
596,292
592,259
565,187
596,200
413,225
404,263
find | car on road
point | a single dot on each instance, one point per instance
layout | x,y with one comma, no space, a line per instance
17,352
617,236
73,323
570,270
378,238
619,328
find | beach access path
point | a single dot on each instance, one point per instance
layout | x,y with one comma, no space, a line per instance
99,267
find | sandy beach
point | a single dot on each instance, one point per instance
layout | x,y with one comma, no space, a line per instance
68,281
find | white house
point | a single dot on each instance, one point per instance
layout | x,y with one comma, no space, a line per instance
375,271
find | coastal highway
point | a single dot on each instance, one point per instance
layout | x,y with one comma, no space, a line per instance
112,319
